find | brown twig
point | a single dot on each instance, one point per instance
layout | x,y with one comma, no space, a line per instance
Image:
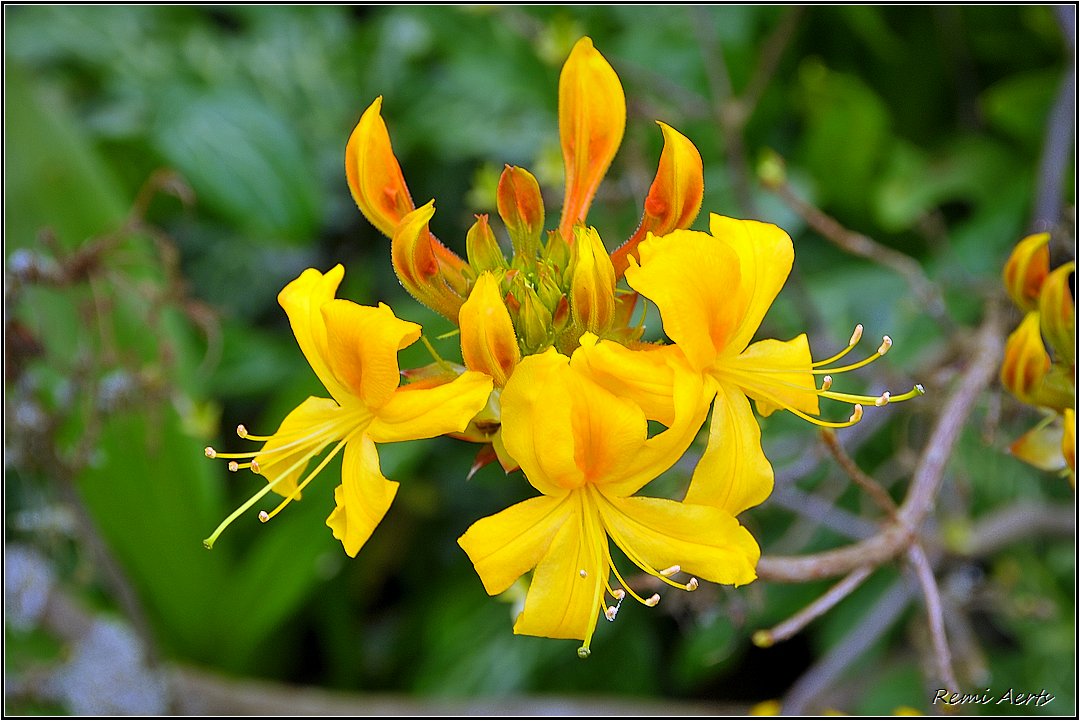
861,478
925,574
785,630
895,536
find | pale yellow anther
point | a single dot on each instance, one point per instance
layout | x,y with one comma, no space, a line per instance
671,571
234,466
919,389
241,431
886,344
583,573
857,415
264,516
692,584
856,336
610,613
883,399
826,383
652,600
255,467
210,452
618,594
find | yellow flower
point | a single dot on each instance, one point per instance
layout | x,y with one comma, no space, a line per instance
588,452
353,350
713,290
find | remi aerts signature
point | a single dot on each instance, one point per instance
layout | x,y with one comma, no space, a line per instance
1012,697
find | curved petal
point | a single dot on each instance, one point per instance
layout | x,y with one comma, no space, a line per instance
1026,361
362,344
765,257
567,588
694,280
733,473
425,412
488,342
363,496
1042,446
674,197
302,300
1025,270
504,546
762,372
592,117
702,540
311,426
373,172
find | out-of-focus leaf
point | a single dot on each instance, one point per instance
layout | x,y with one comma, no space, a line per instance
1019,104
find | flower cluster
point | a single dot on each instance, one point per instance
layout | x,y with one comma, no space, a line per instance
555,379
1040,355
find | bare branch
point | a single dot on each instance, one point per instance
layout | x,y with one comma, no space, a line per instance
872,488
942,655
836,594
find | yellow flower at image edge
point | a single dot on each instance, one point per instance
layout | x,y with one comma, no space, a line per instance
353,350
588,451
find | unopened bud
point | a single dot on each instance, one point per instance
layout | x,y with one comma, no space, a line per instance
1026,269
557,251
771,170
482,248
521,206
437,282
534,319
1057,314
488,342
592,283
1026,361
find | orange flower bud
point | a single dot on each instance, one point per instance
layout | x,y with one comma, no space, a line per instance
373,173
557,251
534,319
1026,269
1057,314
522,209
592,117
420,271
482,248
1026,361
592,283
674,198
488,343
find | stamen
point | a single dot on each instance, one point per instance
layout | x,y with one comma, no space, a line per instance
610,612
856,335
652,600
883,400
241,431
618,594
668,572
692,584
255,468
857,415
583,573
886,344
264,516
318,469
826,383
584,652
855,338
234,466
210,452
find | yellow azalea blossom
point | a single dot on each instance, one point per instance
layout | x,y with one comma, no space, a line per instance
588,452
713,290
353,351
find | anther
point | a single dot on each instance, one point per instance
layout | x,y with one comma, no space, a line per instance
652,600
886,344
857,415
692,584
234,466
856,336
671,571
883,399
583,652
210,452
241,431
618,594
919,389
264,516
583,573
826,383
255,467
610,613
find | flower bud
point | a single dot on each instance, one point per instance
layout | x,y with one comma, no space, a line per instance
488,343
592,283
1057,314
482,248
522,209
373,173
420,270
557,251
1026,360
1026,269
534,320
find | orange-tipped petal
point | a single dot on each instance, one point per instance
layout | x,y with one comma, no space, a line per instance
488,343
674,198
592,283
373,172
522,209
482,248
1057,313
592,117
1026,268
1026,361
420,270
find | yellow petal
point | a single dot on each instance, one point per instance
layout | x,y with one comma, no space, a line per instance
416,412
694,280
1026,269
733,473
363,496
1042,446
567,587
761,371
765,257
1057,313
1068,442
316,419
674,197
504,546
373,172
302,300
430,271
592,117
592,282
1026,361
521,208
362,347
704,541
488,343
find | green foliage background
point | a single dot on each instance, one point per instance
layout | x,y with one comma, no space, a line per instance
920,126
